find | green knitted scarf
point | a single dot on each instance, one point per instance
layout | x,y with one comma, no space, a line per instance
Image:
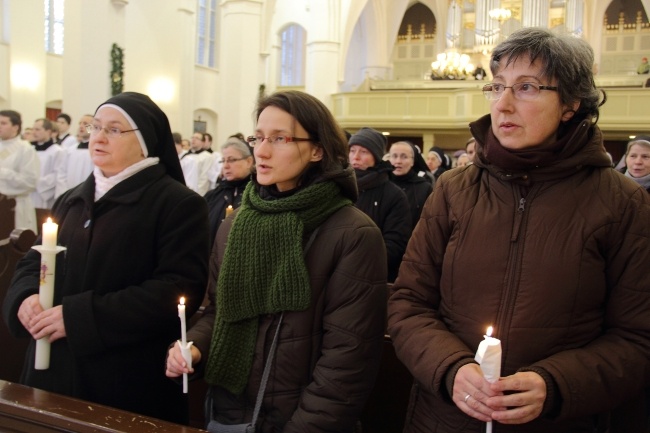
263,271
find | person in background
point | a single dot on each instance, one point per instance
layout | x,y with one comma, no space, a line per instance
195,164
463,160
214,171
51,156
410,174
379,198
644,67
558,245
470,149
66,140
76,164
433,161
637,162
137,241
445,161
236,174
28,135
178,142
19,169
312,268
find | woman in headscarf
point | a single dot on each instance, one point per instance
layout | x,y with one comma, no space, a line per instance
299,259
137,241
235,174
411,174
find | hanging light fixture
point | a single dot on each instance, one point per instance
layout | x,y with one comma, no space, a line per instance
451,66
500,14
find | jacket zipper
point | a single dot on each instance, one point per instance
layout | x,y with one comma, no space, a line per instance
505,312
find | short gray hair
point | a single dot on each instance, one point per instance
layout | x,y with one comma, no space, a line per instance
640,142
239,145
564,57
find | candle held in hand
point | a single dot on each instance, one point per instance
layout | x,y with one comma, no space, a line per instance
229,210
181,314
50,230
488,356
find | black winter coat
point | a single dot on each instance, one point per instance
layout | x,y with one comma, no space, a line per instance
226,193
130,257
386,204
417,190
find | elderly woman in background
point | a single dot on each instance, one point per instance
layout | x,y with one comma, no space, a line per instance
412,175
235,174
558,247
637,162
137,241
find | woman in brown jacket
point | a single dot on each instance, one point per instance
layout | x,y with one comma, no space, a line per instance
298,252
540,238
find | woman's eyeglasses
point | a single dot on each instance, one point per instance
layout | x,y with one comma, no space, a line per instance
232,160
521,91
110,132
274,140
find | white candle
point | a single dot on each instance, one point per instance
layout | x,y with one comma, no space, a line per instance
488,356
185,346
181,314
229,210
49,234
48,251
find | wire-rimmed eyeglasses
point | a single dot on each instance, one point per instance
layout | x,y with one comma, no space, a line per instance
521,91
275,140
232,160
112,132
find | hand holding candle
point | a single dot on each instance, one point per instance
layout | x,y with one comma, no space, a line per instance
488,356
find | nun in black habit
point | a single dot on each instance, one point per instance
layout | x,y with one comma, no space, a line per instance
137,240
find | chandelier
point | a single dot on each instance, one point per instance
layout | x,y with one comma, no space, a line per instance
500,15
451,66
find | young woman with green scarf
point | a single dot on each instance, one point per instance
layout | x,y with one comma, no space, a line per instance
298,247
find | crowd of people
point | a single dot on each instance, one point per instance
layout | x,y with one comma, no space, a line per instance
288,238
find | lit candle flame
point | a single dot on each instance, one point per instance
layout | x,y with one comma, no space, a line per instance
182,300
49,220
489,331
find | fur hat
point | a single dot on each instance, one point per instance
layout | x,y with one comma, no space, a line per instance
372,140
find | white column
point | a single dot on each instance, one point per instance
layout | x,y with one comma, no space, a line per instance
574,17
535,13
239,65
27,60
323,51
91,28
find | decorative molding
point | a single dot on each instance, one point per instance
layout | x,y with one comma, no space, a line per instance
120,2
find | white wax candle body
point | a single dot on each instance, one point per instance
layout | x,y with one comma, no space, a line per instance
181,315
488,356
50,230
46,299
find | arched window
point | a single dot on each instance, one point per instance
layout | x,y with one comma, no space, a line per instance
54,26
292,61
206,30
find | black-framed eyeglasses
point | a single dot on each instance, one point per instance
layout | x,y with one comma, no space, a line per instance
521,91
110,132
274,140
232,160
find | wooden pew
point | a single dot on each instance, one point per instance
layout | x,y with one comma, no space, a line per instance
31,410
14,243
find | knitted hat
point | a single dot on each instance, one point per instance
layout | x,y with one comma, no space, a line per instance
372,140
153,130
